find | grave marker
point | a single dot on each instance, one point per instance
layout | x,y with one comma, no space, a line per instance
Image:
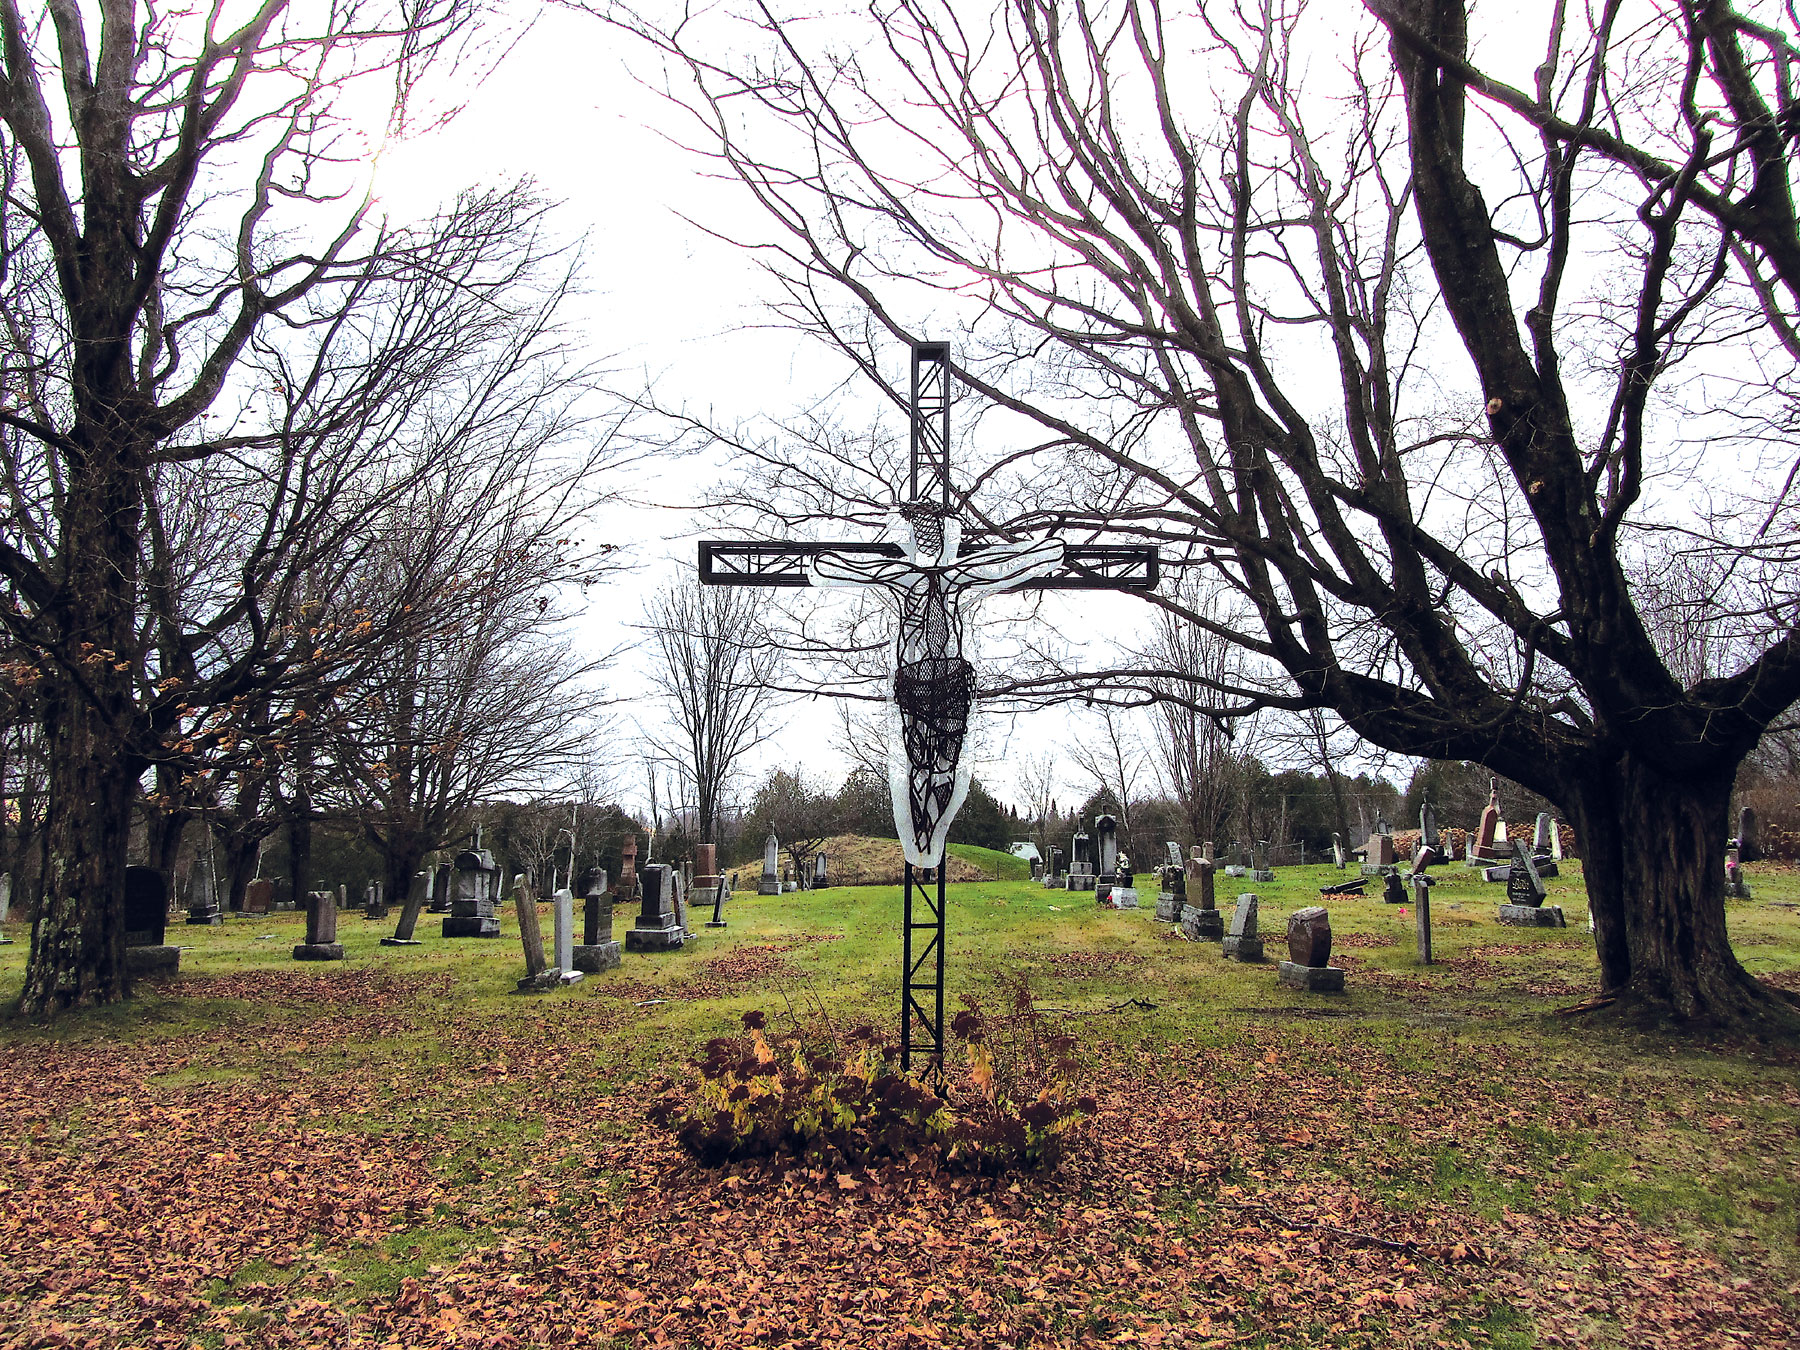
597,952
1241,941
146,923
321,929
409,912
1525,893
1308,965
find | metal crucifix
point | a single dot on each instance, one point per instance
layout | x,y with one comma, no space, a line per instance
928,576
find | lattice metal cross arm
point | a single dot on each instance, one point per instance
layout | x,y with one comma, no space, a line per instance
1086,567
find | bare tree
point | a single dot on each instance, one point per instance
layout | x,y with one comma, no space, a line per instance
1110,753
1400,386
714,672
227,376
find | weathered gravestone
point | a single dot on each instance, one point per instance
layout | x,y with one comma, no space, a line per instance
1081,863
1337,853
1200,917
597,951
321,929
474,896
657,928
5,905
203,907
375,900
706,871
1261,870
1525,907
540,975
1346,888
1748,845
1106,848
1490,834
1308,964
1736,888
1428,827
409,912
1241,941
821,873
146,921
441,879
1421,885
1239,860
1124,895
1393,890
771,871
259,896
1171,890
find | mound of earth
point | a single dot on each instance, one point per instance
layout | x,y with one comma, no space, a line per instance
852,860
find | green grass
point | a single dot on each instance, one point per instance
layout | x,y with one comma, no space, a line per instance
998,865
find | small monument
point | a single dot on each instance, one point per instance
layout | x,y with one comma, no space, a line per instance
1308,964
1171,887
771,869
540,975
474,896
1393,890
1337,853
821,873
203,906
1200,917
259,896
657,928
1428,827
375,901
146,921
1736,888
321,929
1106,846
1260,870
1081,863
440,888
1749,846
409,912
1525,907
1491,832
597,951
1241,941
1124,892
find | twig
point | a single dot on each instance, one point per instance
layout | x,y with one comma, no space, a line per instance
1410,1248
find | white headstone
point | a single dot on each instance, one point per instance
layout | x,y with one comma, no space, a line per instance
564,904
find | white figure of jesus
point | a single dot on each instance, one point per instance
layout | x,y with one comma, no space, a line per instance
933,682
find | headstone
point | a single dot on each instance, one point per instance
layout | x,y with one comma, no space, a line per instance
440,888
540,975
1381,850
202,907
146,921
321,929
1749,844
821,873
1556,848
1261,871
1393,890
1106,835
1488,832
375,901
1308,964
706,872
1081,875
1525,893
720,893
657,929
1346,888
259,896
1174,851
1428,825
771,874
409,912
1337,853
679,898
1421,885
1736,888
1543,834
474,896
1241,941
597,951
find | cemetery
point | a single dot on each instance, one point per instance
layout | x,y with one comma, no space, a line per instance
979,674
396,1147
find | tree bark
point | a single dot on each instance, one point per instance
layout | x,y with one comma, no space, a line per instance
1653,857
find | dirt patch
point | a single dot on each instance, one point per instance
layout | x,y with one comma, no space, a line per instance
852,860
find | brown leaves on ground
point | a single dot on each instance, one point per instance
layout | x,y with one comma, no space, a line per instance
1285,1186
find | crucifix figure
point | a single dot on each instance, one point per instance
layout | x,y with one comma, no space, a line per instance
930,578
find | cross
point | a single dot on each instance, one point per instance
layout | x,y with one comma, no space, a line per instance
926,579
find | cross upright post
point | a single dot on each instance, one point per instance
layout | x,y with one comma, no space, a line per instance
934,686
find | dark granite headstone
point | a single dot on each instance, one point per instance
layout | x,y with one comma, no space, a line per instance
1309,936
146,907
1524,885
1393,889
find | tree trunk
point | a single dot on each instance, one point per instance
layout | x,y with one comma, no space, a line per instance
78,939
1653,854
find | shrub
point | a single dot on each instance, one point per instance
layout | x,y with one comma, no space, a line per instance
841,1100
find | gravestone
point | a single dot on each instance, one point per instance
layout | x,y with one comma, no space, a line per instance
474,896
1106,836
771,871
1421,885
543,974
259,896
1556,848
409,912
1736,888
1200,917
1260,870
1081,863
597,951
1380,855
1346,888
706,872
1241,941
1393,890
1171,892
1749,845
821,874
146,922
657,929
5,906
1491,831
440,888
1124,892
203,908
321,929
1525,907
720,893
1428,826
375,901
1542,835
679,899
1308,964
1337,853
